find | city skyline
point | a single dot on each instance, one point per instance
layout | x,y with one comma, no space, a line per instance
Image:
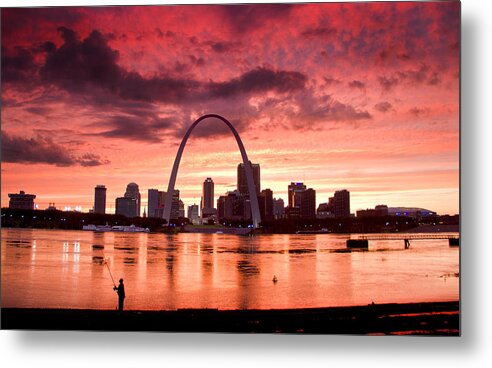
159,196
334,104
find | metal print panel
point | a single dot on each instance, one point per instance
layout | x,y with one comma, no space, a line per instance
285,168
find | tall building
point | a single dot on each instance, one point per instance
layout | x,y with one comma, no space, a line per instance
157,200
126,206
208,198
159,211
278,208
302,201
193,214
21,201
242,183
152,202
100,199
307,203
265,202
341,203
181,209
221,201
233,206
293,188
177,206
133,192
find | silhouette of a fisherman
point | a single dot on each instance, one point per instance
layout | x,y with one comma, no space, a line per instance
121,294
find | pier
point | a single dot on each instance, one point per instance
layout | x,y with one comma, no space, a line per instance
362,241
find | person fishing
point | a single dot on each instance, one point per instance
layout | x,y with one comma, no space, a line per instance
121,294
120,289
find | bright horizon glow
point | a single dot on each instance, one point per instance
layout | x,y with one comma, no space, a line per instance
370,105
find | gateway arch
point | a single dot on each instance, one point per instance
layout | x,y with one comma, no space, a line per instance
255,210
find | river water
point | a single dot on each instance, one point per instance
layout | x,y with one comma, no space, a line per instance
66,269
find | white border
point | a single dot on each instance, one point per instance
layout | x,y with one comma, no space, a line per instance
473,349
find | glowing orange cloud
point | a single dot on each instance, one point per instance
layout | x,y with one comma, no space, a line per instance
362,96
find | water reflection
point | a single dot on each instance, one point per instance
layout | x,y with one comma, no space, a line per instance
68,269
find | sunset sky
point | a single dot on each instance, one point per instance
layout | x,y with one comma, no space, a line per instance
356,96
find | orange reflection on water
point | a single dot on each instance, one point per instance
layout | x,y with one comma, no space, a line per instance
66,269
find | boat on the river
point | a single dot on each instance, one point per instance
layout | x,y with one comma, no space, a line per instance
98,228
127,229
131,229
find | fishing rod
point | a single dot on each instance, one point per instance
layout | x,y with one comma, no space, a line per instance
110,274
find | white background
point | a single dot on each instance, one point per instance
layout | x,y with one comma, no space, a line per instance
472,349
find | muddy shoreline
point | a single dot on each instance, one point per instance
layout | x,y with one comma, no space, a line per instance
436,318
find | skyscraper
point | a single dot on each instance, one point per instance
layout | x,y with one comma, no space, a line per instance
133,192
293,188
177,206
242,183
100,199
233,206
278,208
341,203
126,206
208,198
193,215
302,201
265,201
307,203
152,202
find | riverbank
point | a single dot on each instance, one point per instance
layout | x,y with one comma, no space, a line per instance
70,220
438,318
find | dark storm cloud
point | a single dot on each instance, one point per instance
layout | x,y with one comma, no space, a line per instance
129,127
198,61
388,82
422,74
383,106
357,84
90,159
331,81
246,18
42,150
259,80
159,33
17,66
415,75
223,47
319,32
15,19
338,111
165,89
318,110
419,111
434,79
39,110
79,65
143,127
